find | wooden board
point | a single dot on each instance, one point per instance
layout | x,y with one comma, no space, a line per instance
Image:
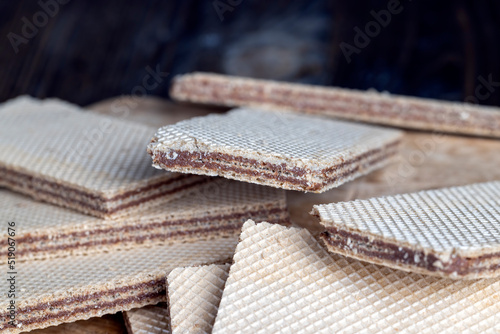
427,161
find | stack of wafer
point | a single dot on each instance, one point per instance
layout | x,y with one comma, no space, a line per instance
94,228
196,237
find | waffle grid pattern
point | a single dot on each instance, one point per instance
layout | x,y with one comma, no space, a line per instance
152,319
283,281
265,135
452,219
59,278
194,296
59,141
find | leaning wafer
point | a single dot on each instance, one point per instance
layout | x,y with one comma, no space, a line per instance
50,292
283,150
372,107
55,152
450,232
218,208
283,281
151,319
194,295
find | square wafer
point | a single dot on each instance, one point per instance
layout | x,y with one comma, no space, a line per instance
218,208
194,295
55,152
283,150
50,292
283,281
451,232
366,106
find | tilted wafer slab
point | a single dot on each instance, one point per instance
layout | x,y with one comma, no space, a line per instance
194,295
50,292
370,106
451,232
282,150
217,208
55,152
283,281
151,319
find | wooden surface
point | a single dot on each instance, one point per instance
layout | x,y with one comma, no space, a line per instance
427,161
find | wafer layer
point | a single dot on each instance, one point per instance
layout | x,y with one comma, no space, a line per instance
151,319
194,295
370,106
452,232
54,291
283,281
216,209
55,152
282,150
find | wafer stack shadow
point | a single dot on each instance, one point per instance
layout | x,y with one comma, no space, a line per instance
103,231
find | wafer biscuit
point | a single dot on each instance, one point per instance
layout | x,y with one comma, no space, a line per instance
194,295
54,291
216,209
370,106
450,232
288,151
55,152
151,319
283,281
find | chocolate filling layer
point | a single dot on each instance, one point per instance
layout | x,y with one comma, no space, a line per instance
96,204
381,250
152,298
201,232
146,227
87,194
218,161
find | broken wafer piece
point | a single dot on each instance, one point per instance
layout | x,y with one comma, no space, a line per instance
50,292
283,150
55,152
449,232
284,281
194,295
366,106
217,208
151,319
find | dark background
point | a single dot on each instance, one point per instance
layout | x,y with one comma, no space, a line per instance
86,51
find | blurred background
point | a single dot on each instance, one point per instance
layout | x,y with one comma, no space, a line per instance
87,51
